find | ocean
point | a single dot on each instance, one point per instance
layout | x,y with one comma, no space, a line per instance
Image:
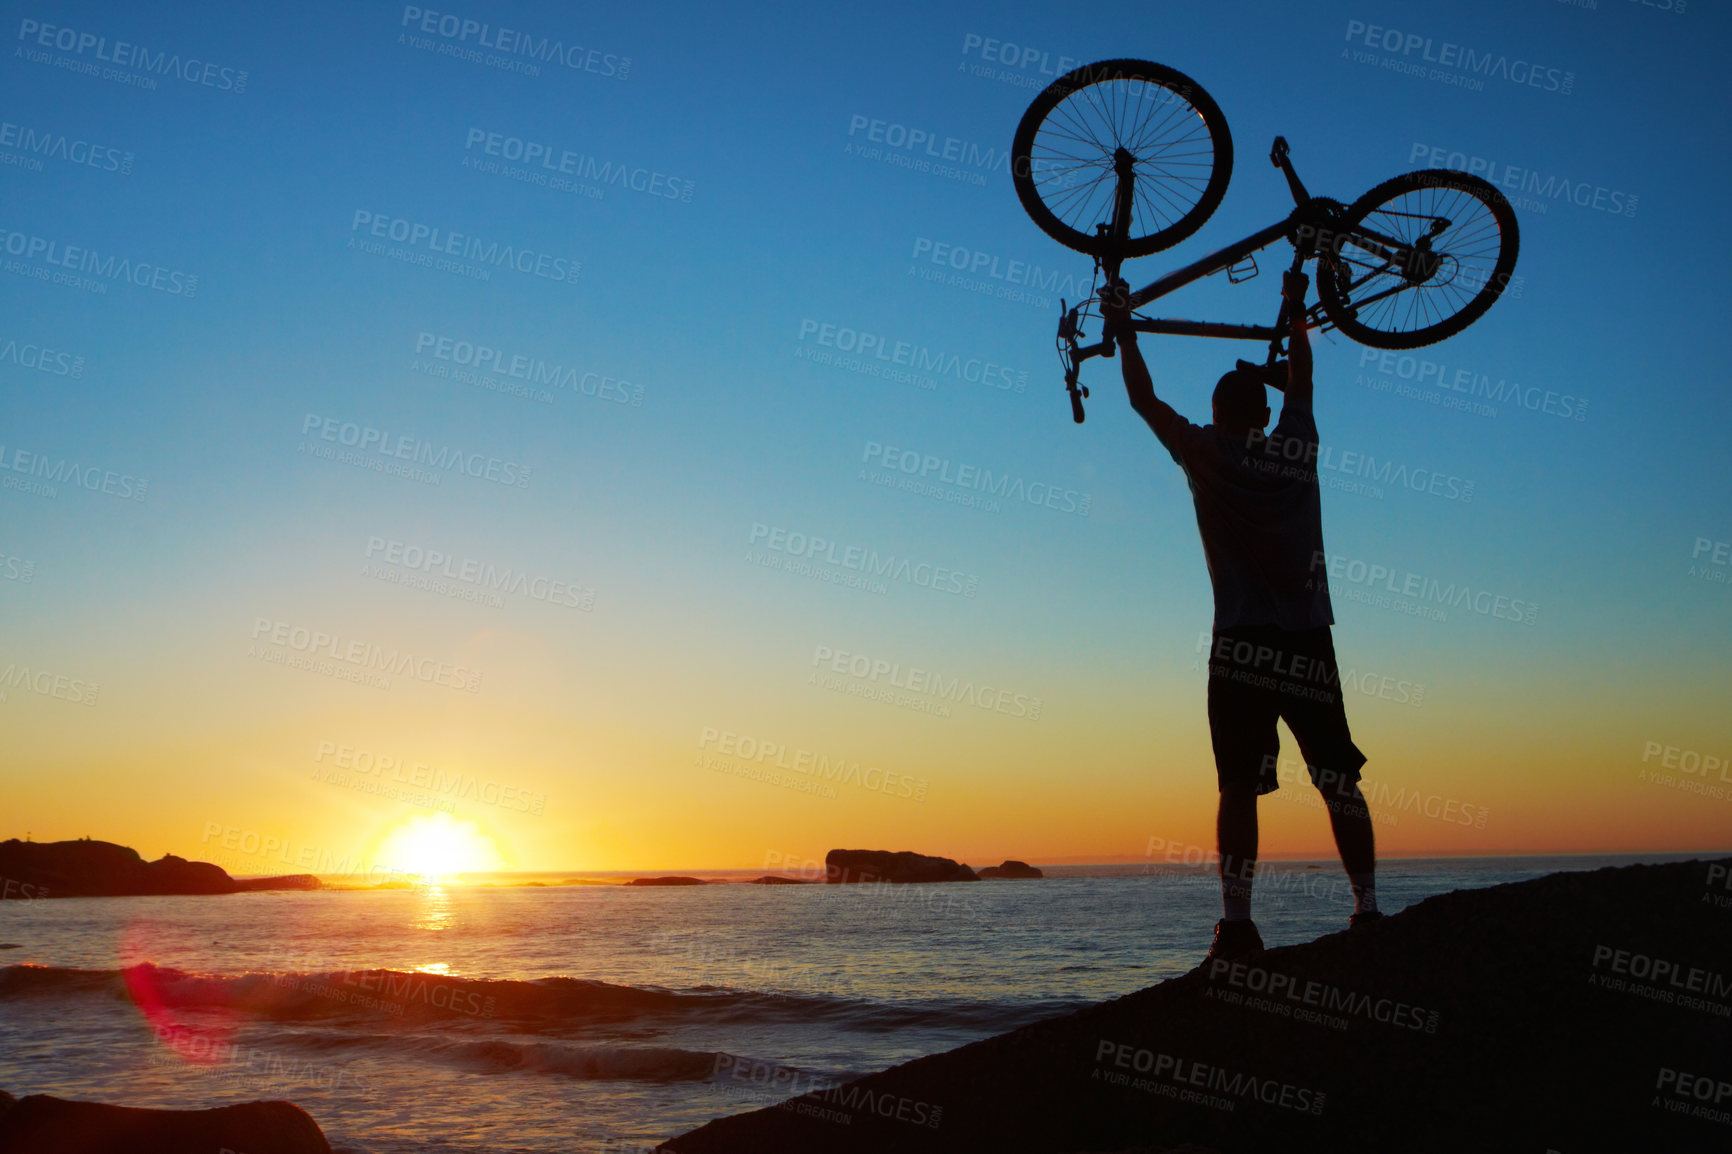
534,1019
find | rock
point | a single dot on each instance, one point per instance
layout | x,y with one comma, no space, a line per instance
1503,1018
670,881
775,880
881,865
39,1124
6,1102
102,869
1011,869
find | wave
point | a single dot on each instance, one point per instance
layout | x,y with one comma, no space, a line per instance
581,1061
541,1006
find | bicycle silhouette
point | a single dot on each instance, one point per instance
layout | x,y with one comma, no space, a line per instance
1417,259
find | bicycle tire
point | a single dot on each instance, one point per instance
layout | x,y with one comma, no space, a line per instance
1189,213
1487,276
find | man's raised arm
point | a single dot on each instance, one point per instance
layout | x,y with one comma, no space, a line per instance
1138,386
1293,286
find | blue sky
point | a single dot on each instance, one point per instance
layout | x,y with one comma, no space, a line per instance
700,307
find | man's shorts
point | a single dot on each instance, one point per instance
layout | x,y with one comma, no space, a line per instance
1258,673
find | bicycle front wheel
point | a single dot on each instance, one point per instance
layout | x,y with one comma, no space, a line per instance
1062,160
1417,259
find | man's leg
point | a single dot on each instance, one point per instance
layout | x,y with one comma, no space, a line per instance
1350,819
1236,841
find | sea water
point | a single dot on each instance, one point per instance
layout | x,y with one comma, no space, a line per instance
462,1019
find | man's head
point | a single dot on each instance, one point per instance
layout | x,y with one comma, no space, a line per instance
1241,404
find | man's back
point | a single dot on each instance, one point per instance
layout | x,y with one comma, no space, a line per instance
1260,518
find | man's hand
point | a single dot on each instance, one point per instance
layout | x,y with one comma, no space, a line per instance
1115,298
1293,286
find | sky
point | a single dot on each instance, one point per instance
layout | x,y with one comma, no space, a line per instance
610,637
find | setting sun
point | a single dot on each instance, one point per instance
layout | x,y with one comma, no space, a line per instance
438,846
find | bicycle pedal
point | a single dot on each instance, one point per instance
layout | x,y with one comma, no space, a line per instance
1243,271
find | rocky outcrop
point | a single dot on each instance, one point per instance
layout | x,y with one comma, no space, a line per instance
1011,869
775,880
93,869
39,1124
882,865
669,881
1584,1011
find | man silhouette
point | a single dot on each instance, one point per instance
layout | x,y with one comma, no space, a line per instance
1271,654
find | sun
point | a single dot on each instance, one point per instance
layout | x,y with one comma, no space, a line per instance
438,847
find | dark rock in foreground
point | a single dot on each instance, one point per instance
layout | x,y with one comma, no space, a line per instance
881,865
91,869
1578,1012
1011,869
669,881
39,1124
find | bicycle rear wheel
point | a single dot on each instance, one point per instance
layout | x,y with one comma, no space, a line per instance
1063,155
1417,259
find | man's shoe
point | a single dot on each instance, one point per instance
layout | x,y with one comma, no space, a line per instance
1366,918
1235,940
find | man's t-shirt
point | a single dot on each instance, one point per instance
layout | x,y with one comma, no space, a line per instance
1261,520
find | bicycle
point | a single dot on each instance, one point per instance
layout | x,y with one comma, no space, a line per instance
1411,262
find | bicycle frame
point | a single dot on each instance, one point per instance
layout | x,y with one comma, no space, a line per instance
1312,219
